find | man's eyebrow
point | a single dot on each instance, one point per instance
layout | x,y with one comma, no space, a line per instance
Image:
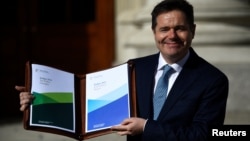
181,26
165,27
177,26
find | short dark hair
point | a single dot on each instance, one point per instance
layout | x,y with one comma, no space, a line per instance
169,5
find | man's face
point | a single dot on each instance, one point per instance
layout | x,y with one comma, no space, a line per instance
173,35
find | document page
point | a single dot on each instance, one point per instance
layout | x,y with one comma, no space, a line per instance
54,104
107,98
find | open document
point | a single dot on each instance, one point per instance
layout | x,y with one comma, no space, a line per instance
53,105
80,106
107,98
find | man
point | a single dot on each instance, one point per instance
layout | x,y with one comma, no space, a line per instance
197,91
195,100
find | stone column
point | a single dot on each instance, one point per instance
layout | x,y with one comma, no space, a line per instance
125,16
223,28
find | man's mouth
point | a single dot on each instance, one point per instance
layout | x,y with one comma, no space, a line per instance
171,43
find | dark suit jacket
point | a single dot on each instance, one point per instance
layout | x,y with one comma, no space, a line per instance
196,102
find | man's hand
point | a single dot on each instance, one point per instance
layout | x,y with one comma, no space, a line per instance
25,97
130,126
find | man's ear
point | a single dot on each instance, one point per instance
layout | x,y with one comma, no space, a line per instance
153,30
193,29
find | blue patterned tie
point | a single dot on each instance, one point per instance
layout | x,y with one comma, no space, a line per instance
161,91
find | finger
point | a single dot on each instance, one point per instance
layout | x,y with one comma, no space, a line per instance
25,95
24,104
23,107
118,128
25,101
126,121
123,133
20,88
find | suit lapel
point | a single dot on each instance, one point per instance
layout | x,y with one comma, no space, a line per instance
145,71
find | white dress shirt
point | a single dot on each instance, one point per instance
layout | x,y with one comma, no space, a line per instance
177,67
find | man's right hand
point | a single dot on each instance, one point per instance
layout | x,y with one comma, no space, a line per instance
25,97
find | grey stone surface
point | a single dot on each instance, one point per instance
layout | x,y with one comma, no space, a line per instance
12,130
238,104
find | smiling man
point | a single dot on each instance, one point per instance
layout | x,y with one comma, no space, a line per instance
194,91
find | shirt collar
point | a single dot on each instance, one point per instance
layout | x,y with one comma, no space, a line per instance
176,66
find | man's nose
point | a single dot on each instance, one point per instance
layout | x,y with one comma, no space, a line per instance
172,33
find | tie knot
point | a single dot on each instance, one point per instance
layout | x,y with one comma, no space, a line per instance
166,70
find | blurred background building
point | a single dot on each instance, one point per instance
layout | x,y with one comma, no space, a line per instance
112,32
222,37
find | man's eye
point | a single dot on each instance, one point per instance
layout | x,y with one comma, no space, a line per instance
181,28
164,29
